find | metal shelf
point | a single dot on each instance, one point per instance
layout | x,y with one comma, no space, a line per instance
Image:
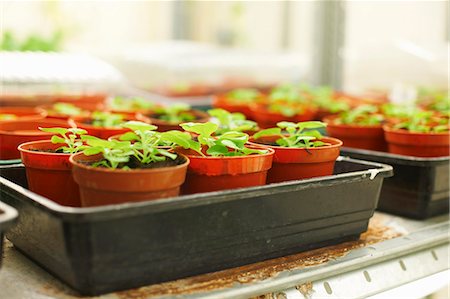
421,251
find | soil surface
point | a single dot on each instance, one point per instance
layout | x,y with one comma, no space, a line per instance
265,142
161,117
135,164
59,151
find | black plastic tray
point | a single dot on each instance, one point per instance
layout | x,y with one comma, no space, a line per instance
420,187
7,217
102,249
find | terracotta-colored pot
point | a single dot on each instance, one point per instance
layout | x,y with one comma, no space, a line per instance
269,119
84,99
207,174
221,101
103,186
364,137
100,132
403,142
193,90
48,173
50,113
21,112
322,113
366,98
15,132
23,100
300,163
163,126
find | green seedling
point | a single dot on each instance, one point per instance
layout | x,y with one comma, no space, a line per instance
228,144
6,116
365,115
131,104
296,135
142,145
286,109
437,100
106,119
399,111
33,42
67,109
323,97
231,121
180,87
70,137
424,122
286,93
175,113
287,99
243,95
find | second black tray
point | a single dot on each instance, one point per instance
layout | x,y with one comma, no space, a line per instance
109,248
420,187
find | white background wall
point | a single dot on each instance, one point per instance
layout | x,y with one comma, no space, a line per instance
390,42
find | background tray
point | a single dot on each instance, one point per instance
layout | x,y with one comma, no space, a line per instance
419,188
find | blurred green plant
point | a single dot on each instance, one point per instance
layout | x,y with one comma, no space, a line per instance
34,42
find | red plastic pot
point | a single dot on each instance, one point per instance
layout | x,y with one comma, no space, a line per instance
221,101
48,173
269,119
300,163
207,174
47,110
163,126
15,132
103,186
193,90
100,132
83,99
403,142
21,112
364,137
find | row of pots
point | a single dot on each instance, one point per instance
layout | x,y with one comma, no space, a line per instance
57,176
25,127
382,137
259,109
387,139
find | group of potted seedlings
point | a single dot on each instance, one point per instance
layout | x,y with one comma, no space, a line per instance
420,130
130,149
146,151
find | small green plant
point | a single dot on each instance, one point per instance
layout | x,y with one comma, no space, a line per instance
67,109
364,115
243,95
399,111
6,116
139,147
131,104
106,119
286,93
231,121
180,87
424,122
70,136
33,42
228,144
323,97
175,113
299,135
286,109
